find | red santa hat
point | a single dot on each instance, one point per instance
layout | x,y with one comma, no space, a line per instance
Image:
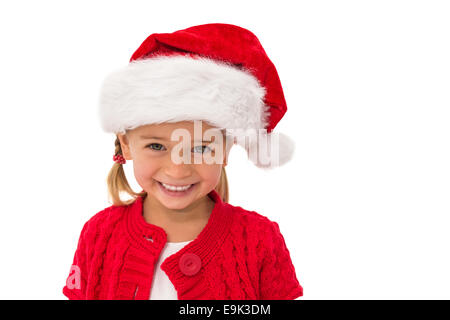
216,72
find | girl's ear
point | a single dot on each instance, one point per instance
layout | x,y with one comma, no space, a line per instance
124,146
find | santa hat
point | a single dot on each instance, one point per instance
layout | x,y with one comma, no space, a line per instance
216,72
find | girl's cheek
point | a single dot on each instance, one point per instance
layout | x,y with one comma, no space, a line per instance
210,173
144,172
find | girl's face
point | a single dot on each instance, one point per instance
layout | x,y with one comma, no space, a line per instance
179,160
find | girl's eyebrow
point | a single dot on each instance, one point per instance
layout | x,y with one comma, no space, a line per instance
161,138
147,137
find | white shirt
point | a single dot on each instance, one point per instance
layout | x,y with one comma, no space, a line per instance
162,288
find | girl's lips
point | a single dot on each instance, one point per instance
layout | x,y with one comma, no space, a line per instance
176,193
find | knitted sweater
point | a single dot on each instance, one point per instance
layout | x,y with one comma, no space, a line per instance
239,255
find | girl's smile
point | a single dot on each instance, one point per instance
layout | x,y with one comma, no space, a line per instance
176,190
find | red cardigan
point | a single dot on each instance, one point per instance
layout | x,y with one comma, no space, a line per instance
239,255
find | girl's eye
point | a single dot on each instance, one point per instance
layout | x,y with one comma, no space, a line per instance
201,150
155,146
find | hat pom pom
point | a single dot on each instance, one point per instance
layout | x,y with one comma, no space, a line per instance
271,151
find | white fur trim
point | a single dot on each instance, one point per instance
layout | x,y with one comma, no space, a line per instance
179,88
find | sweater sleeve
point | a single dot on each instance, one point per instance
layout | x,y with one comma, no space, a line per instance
75,288
278,280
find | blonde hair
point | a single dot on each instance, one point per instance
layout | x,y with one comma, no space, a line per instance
118,183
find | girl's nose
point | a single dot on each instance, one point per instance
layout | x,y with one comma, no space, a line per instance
177,171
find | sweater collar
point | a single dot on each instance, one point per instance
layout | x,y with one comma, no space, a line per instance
153,238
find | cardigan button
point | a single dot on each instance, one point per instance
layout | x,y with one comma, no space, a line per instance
190,264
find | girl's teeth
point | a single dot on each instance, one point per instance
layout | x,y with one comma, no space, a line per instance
173,188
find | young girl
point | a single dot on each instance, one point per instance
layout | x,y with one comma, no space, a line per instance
179,238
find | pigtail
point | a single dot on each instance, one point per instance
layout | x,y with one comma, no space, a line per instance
222,186
118,183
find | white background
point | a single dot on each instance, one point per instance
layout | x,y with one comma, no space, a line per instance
364,204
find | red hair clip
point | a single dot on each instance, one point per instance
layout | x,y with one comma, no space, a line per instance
119,159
